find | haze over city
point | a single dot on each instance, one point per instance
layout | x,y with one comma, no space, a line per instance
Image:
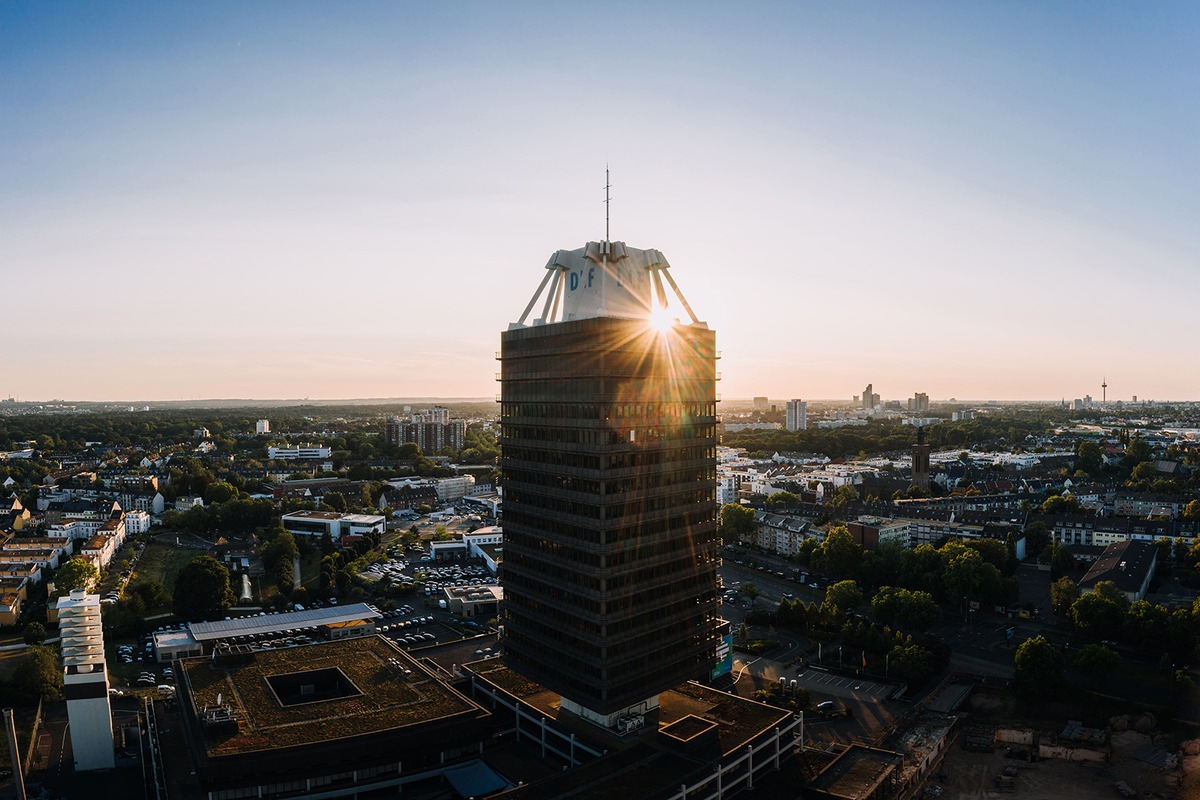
992,201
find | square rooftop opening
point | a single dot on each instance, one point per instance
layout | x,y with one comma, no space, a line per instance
311,686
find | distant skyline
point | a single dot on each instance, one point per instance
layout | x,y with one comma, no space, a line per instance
222,200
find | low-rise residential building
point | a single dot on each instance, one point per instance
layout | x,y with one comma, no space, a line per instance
782,533
13,593
931,531
47,552
137,522
1143,504
870,532
407,497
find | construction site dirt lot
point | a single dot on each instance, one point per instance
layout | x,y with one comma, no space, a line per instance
972,776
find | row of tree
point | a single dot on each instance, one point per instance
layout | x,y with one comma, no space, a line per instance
1107,612
894,644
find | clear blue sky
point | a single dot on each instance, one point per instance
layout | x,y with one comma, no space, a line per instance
980,200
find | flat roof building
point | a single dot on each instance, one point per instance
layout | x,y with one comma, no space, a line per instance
335,719
318,523
202,637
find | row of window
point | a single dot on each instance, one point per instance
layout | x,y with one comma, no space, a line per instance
695,521
607,411
510,433
514,497
550,570
643,651
654,570
551,480
702,594
639,505
518,545
698,459
705,455
549,603
656,480
515,476
524,626
554,457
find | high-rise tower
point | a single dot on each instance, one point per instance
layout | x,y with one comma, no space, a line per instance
608,462
85,681
795,415
920,461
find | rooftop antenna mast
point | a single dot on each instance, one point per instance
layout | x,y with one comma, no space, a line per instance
607,199
604,248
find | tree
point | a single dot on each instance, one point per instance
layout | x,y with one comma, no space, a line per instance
78,573
884,565
1058,504
40,673
1088,456
1146,622
994,552
1136,452
1096,614
843,597
219,492
1059,558
1063,594
151,593
1144,471
967,576
845,496
411,537
35,633
1191,511
737,523
913,610
750,591
335,500
839,554
202,589
281,549
911,663
1097,662
1036,538
1038,668
783,499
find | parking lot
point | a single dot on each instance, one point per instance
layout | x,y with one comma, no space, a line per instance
435,576
843,686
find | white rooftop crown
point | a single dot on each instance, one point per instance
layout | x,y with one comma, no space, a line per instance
604,279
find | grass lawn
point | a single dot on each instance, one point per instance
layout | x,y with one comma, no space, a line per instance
162,562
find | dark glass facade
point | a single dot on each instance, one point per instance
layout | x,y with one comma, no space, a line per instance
608,461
